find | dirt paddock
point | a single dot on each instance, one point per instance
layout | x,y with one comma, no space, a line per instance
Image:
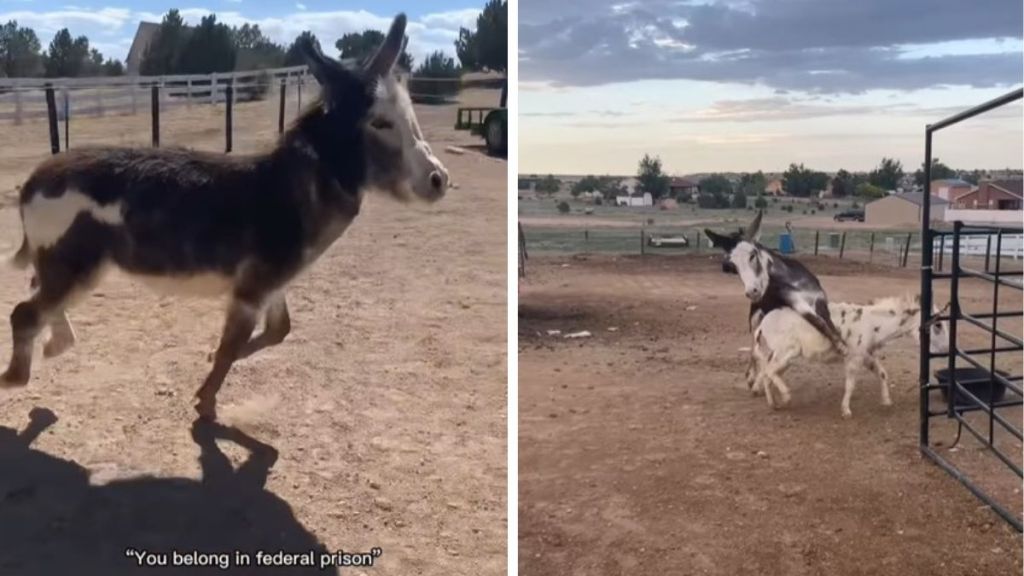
642,452
379,422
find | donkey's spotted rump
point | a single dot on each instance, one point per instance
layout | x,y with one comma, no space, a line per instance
207,223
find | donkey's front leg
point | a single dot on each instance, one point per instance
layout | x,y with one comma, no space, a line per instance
278,325
238,327
875,366
851,383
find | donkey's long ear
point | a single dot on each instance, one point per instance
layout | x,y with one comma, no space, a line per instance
726,243
319,64
753,232
382,62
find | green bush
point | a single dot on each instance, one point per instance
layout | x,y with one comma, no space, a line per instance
563,207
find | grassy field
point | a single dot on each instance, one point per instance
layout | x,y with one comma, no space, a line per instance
589,228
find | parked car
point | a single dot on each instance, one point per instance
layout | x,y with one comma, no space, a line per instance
856,215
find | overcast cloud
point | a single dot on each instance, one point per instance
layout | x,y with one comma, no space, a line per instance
824,46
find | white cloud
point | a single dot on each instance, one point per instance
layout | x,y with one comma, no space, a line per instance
111,29
300,6
45,23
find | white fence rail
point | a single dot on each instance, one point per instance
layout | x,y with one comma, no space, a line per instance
25,98
1012,245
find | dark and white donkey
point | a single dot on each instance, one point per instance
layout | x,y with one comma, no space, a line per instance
773,281
241,226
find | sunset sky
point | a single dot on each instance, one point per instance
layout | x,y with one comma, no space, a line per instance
747,85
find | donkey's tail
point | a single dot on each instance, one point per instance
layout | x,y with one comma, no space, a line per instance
23,257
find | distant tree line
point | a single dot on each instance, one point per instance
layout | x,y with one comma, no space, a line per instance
22,56
212,46
722,191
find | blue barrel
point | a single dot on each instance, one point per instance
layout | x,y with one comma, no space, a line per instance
786,244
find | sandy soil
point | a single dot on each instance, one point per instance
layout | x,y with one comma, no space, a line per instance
642,452
379,422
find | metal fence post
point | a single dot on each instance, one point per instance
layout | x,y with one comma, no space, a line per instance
229,100
51,113
871,248
816,233
842,245
280,110
154,106
906,250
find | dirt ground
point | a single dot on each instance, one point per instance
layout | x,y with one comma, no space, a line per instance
642,452
379,422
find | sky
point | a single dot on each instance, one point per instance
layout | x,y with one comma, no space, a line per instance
110,25
745,85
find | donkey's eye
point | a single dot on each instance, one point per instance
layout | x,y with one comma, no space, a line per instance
381,124
752,256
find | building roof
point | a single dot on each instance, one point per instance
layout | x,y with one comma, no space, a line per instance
917,198
682,183
1012,187
143,38
952,182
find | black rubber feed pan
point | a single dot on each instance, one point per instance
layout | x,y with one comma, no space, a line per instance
976,381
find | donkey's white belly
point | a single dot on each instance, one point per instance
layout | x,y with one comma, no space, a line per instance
207,284
46,220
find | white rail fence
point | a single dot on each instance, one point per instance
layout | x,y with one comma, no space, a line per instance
25,98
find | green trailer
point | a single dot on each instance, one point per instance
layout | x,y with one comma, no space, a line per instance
491,123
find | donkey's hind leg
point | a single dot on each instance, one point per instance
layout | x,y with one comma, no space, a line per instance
27,320
278,325
62,335
241,321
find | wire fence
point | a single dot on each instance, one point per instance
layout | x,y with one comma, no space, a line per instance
887,247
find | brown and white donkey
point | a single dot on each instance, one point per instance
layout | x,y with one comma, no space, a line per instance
236,226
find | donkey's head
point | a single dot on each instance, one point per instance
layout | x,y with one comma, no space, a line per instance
744,256
938,337
372,102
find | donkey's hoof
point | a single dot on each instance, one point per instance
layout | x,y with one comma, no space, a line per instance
14,378
847,414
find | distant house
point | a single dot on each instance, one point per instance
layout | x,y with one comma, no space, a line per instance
635,200
774,187
950,189
677,186
993,195
902,209
144,36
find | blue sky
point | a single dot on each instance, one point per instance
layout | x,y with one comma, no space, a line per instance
739,85
110,24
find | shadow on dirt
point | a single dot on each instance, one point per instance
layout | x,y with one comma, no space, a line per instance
482,149
52,521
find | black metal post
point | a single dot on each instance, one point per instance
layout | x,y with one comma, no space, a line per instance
154,106
842,245
280,110
954,316
924,353
816,233
871,248
67,121
51,114
229,95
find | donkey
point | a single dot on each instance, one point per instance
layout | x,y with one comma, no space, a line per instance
235,226
784,335
773,281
